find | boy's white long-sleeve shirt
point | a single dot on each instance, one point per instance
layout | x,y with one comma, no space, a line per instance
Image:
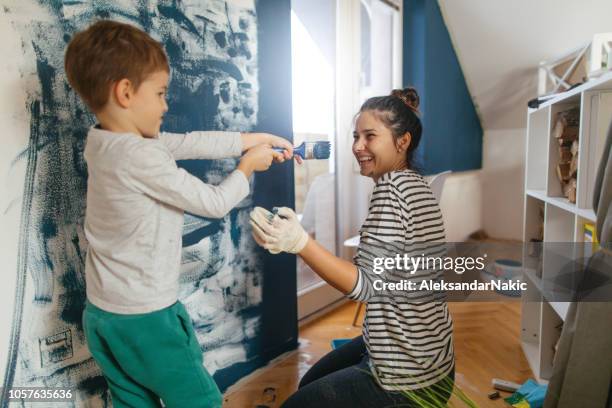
136,196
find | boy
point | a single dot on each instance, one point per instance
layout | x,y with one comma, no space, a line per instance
137,331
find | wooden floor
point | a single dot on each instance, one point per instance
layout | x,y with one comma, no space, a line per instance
486,337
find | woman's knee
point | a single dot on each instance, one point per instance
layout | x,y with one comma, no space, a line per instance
345,356
320,393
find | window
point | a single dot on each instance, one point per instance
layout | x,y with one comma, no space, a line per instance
327,89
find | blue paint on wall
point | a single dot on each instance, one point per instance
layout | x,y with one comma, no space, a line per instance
452,133
206,92
275,187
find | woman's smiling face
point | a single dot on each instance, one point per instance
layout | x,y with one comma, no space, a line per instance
376,149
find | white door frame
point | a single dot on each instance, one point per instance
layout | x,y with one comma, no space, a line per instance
351,189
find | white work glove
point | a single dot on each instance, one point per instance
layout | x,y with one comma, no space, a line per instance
278,232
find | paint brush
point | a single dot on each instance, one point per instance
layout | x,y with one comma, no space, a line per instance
310,150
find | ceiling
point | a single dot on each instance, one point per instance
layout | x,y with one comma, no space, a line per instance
500,43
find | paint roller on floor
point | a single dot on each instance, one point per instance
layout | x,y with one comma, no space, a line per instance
310,150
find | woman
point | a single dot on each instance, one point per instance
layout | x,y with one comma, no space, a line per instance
406,347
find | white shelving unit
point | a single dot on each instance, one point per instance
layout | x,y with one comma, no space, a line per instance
562,221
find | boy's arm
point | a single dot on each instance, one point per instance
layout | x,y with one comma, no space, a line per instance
203,145
152,171
218,145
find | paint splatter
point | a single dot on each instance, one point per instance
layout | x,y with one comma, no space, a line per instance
212,49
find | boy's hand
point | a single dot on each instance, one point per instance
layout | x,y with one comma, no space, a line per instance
277,141
258,158
250,140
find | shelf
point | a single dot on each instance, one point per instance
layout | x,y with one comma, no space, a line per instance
562,203
545,304
531,349
596,116
538,124
531,275
598,84
560,308
539,194
587,214
550,327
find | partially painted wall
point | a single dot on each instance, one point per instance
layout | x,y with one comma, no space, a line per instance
218,82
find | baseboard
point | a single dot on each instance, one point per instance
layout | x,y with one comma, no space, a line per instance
320,312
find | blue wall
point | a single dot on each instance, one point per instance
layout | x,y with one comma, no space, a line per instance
274,188
278,331
452,133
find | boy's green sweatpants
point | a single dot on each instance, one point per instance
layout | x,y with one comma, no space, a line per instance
148,357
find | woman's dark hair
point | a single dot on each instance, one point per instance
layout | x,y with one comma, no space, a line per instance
399,112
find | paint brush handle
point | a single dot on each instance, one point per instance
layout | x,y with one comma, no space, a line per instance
310,150
297,151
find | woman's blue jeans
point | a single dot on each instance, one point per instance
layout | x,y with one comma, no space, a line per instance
342,378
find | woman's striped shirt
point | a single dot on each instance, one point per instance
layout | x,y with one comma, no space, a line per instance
409,339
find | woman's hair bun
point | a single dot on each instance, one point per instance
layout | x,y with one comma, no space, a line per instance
409,96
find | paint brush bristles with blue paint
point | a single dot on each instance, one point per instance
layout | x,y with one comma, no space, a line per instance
310,150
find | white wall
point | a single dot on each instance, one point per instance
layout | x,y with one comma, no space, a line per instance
12,172
491,198
503,172
461,205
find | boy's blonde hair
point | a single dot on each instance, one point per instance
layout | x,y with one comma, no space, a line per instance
106,52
